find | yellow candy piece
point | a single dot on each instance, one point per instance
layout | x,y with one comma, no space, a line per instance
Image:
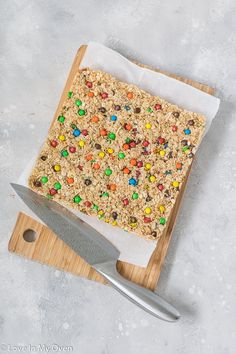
133,224
175,184
61,137
148,126
187,151
152,178
162,208
110,151
114,223
148,210
81,143
57,168
107,220
101,212
162,153
101,154
148,166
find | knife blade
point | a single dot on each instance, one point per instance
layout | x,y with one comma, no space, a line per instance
95,249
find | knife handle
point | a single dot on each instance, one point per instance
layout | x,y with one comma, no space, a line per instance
144,298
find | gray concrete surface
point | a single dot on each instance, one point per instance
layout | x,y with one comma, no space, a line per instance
39,305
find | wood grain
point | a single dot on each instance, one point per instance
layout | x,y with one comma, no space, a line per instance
50,250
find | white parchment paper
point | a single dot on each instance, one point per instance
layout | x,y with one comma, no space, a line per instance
134,249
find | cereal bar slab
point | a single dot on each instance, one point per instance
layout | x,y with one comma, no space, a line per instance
117,152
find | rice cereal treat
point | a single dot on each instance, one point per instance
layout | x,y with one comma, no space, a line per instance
118,153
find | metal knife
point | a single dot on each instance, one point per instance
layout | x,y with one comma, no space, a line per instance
95,249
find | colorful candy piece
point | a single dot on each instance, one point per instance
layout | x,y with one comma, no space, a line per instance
187,131
133,182
112,136
113,118
76,132
77,199
61,119
57,168
44,179
81,112
108,171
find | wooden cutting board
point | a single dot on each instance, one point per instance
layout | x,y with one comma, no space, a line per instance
37,242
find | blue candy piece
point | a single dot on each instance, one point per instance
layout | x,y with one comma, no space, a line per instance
113,118
76,132
127,108
187,131
133,182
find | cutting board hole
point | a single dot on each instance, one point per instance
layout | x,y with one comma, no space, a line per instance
29,235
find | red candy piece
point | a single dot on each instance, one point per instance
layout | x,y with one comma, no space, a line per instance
158,106
132,144
146,143
54,143
174,128
104,95
126,201
80,167
52,191
84,132
72,149
147,219
160,187
89,84
87,203
139,164
161,140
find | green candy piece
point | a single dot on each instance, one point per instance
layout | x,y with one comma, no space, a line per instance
78,103
108,172
73,126
95,207
112,136
70,94
57,185
81,112
44,179
127,140
135,195
105,194
185,148
61,119
49,196
162,221
149,110
121,155
77,199
64,153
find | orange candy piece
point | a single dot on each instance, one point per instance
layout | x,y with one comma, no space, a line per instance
94,119
90,94
89,157
103,132
126,146
70,180
178,166
130,95
128,126
133,162
96,166
112,187
126,170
